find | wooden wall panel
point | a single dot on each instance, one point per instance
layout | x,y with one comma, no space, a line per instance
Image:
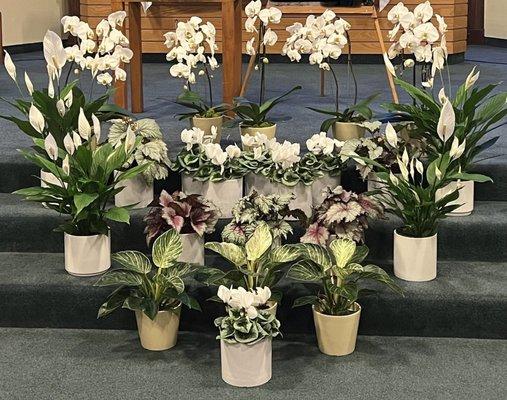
163,18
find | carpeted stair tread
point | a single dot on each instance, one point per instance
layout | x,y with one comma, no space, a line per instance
92,364
466,300
28,227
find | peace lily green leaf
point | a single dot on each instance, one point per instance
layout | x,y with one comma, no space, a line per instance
166,249
229,251
119,214
82,200
259,242
133,260
342,251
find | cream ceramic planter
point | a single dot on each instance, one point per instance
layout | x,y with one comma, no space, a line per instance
193,248
223,194
264,186
465,196
87,255
348,130
322,183
161,333
245,365
415,259
269,131
135,190
205,124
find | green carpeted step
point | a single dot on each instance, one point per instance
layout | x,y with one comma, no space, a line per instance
466,300
27,227
100,365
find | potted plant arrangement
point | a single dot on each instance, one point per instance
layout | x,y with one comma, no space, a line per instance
86,182
323,156
474,112
154,294
210,171
138,191
245,335
254,209
336,311
190,215
187,45
60,112
342,215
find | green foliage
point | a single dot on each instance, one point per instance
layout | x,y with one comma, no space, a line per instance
339,271
142,287
331,164
199,107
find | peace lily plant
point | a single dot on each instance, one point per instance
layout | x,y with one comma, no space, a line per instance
336,310
151,150
188,45
154,294
209,170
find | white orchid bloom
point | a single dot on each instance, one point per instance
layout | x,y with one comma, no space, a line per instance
9,65
426,33
428,83
409,63
270,37
105,79
70,24
253,8
36,119
66,165
423,12
76,139
116,18
389,65
397,12
28,84
272,14
408,21
316,58
83,126
250,25
60,107
69,145
213,63
391,135
54,53
120,74
123,53
117,37
409,41
328,15
180,70
472,78
233,151
103,28
250,50
446,122
51,147
442,26
423,53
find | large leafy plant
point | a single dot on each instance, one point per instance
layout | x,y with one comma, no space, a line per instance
339,271
141,287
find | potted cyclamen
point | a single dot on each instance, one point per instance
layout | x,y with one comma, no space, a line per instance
154,294
323,156
276,168
190,215
342,215
187,45
210,171
86,182
138,191
245,335
336,311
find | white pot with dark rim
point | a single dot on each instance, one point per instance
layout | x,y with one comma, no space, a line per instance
415,258
465,197
318,186
87,255
224,194
348,130
136,191
205,124
192,248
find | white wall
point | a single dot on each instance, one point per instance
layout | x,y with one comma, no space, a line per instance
495,19
26,21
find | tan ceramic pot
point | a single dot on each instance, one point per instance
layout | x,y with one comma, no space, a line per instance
347,130
415,259
205,124
337,334
269,131
465,197
161,333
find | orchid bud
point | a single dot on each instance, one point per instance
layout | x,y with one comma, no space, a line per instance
51,147
409,63
83,126
69,145
36,119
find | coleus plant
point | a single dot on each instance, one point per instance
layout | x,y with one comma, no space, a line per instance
343,215
204,160
183,213
142,287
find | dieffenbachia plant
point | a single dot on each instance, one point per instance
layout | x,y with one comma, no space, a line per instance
338,269
142,287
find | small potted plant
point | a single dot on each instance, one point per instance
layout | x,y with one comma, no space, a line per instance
245,335
336,311
190,215
342,215
254,209
154,294
323,156
187,45
138,191
210,171
86,183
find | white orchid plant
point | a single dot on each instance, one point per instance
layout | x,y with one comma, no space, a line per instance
247,320
415,35
205,160
151,150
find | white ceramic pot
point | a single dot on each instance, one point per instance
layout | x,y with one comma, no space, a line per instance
322,183
162,332
246,365
205,124
347,130
193,248
415,259
465,197
87,255
223,194
264,186
135,190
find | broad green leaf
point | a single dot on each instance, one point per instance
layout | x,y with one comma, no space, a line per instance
113,302
259,242
119,214
229,251
305,271
182,269
471,177
120,277
176,282
343,251
284,254
189,301
133,172
166,249
83,200
360,254
305,300
133,261
317,254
